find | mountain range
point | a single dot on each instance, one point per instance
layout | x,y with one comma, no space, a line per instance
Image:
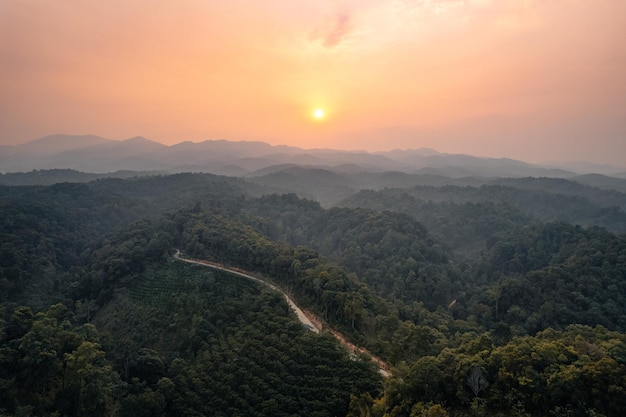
94,154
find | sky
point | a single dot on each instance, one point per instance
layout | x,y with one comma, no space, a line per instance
535,80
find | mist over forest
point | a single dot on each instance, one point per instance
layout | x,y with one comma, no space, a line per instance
436,284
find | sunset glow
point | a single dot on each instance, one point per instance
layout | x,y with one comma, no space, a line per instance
531,80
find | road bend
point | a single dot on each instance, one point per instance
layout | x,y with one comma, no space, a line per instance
308,320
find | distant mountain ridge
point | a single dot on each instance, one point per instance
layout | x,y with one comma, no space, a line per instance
94,154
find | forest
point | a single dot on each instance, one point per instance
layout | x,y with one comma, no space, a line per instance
499,299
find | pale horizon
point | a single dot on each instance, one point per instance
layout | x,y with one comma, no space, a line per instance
540,82
545,163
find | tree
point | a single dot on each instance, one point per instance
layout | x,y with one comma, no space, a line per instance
92,379
360,406
476,380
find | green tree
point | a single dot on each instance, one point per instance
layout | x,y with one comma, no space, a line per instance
92,379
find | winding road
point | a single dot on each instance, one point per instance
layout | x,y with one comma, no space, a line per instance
307,319
301,316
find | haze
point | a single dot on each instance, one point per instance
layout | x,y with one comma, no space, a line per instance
526,79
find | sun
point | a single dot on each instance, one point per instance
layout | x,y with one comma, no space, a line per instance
319,114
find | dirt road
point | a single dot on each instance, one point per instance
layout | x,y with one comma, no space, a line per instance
301,316
307,319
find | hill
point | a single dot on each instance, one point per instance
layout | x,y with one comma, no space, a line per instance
99,155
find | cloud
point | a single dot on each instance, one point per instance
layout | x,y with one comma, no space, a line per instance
334,30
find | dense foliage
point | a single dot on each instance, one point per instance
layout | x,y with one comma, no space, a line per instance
578,372
513,202
482,308
181,342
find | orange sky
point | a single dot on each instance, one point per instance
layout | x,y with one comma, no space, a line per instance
537,80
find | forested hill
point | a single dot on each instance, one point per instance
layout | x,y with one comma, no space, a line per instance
98,319
55,176
46,228
467,217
